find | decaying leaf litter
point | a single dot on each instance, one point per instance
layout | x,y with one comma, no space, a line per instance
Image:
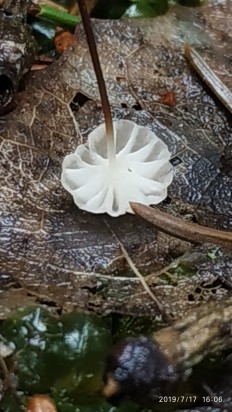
17,48
72,254
38,216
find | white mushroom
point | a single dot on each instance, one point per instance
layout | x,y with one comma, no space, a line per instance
122,162
104,178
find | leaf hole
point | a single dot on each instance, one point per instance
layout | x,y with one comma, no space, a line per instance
6,90
137,106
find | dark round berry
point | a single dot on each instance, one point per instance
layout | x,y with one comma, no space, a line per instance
137,369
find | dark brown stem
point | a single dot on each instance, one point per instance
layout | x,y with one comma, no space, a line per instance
181,229
98,71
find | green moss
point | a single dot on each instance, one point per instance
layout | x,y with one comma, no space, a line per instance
184,268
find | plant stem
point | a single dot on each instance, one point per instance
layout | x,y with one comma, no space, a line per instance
60,17
100,79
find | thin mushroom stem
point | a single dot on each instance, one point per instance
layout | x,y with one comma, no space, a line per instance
100,79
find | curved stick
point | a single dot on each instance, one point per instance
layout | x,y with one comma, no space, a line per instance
174,226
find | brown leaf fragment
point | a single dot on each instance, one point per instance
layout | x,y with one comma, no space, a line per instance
74,10
62,40
41,62
50,3
13,299
41,403
168,98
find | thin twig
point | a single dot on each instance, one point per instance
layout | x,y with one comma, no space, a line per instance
166,317
139,276
179,228
7,379
4,368
209,77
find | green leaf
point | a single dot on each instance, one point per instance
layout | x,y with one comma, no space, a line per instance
147,8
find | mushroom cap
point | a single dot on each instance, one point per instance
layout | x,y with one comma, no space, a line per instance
140,172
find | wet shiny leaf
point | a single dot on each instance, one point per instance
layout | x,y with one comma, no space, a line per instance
68,353
69,258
